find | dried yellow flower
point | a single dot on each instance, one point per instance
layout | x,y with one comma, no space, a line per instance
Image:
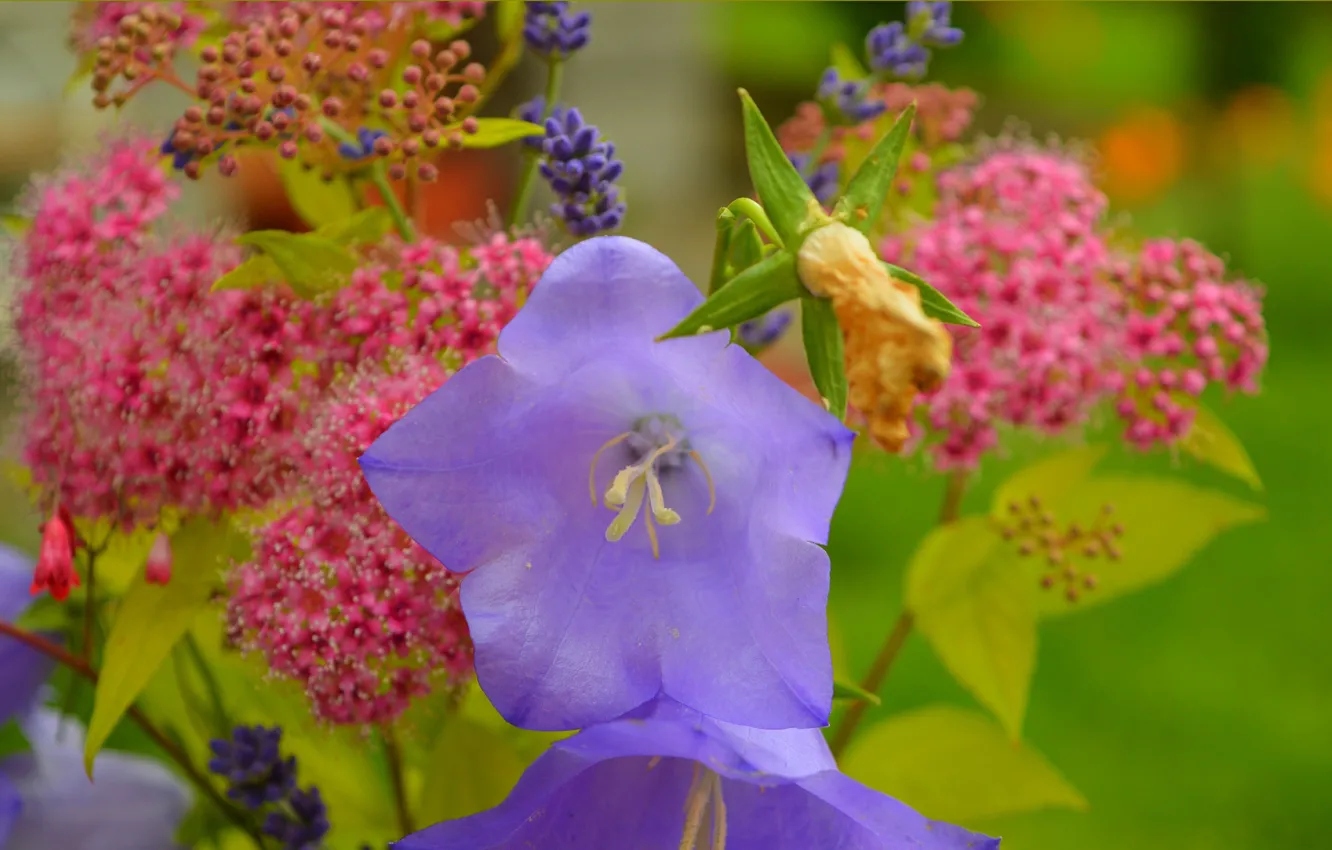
893,350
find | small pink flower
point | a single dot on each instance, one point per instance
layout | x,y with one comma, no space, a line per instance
55,560
158,568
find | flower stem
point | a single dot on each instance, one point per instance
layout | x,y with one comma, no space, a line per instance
554,76
90,610
379,177
210,684
168,746
892,645
396,773
750,208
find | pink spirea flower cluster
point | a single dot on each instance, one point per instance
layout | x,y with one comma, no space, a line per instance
1188,326
1014,245
337,597
1067,322
377,14
146,392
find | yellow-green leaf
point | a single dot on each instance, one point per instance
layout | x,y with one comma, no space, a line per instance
958,766
1047,479
1165,523
309,263
493,132
17,225
152,618
367,226
1210,441
472,768
255,272
977,607
318,201
933,302
847,65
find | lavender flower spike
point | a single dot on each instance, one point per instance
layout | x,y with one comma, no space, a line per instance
635,518
676,780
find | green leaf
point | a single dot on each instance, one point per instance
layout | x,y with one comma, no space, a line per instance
1046,480
933,302
12,740
316,200
1210,441
17,225
509,17
309,264
749,294
1165,523
255,272
493,132
788,202
977,608
851,692
847,65
366,226
825,352
472,768
152,618
861,204
45,614
956,765
746,246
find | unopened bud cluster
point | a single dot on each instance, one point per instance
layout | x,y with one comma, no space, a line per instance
316,82
1033,530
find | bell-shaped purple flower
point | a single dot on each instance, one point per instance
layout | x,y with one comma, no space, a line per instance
22,670
635,518
675,779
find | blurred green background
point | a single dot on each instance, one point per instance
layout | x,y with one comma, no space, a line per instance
1198,713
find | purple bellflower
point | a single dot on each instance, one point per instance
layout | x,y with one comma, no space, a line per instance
674,779
635,518
46,800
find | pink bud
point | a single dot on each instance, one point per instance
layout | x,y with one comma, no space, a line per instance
55,560
158,568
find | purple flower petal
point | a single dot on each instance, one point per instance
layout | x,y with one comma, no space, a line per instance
491,475
22,670
625,784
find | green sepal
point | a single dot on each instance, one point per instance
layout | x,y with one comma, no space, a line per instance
45,614
851,692
746,246
12,740
861,204
721,250
933,302
746,296
825,352
789,203
493,132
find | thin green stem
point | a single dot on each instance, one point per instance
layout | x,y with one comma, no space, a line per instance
397,774
749,208
892,645
554,76
379,178
210,683
168,746
90,610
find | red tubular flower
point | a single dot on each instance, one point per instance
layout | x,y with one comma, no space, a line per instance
158,568
55,563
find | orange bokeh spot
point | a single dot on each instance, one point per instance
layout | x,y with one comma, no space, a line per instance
1320,176
1142,155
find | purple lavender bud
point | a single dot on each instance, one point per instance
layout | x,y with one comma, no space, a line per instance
579,169
822,180
758,334
937,24
364,147
556,33
253,767
846,101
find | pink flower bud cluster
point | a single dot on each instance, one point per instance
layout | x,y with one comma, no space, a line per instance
1067,323
312,81
337,597
1015,246
1188,326
147,392
136,30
